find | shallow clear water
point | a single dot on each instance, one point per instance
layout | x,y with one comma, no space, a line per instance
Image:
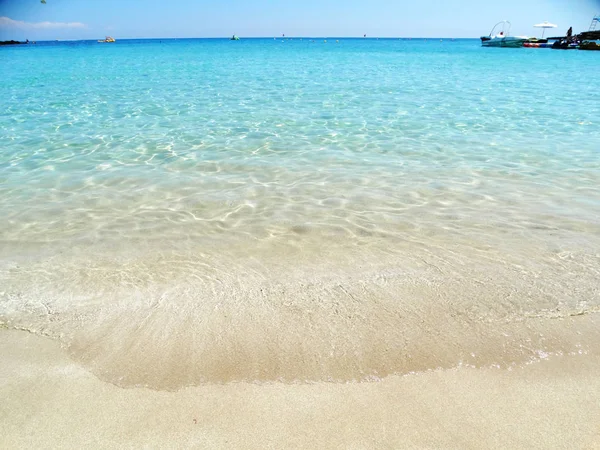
208,172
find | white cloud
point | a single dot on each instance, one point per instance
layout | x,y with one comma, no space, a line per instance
6,22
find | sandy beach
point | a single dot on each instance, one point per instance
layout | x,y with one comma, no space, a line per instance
301,351
48,401
328,243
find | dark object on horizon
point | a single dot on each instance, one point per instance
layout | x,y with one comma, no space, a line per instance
565,44
587,38
589,45
13,43
535,40
569,35
593,35
568,42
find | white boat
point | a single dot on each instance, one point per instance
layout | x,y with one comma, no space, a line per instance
500,37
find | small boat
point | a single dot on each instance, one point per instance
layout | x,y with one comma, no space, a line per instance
107,39
234,38
500,37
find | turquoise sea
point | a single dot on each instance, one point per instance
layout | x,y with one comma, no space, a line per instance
183,211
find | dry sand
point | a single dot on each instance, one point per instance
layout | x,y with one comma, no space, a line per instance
50,401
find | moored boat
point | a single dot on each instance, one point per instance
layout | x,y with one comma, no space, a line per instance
500,37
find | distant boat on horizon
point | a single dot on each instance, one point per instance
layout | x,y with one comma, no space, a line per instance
107,39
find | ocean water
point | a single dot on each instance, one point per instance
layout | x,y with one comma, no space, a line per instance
178,212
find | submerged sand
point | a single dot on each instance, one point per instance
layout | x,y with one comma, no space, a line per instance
168,319
50,401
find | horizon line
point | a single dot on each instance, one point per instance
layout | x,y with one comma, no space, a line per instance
263,37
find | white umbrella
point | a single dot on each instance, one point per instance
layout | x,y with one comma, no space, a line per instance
545,25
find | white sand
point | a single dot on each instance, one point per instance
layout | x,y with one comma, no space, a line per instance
48,401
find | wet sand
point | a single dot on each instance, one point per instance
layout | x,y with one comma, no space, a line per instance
444,345
168,320
50,401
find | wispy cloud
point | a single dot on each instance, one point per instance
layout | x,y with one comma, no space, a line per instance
7,22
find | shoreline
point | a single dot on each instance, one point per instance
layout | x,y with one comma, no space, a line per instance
51,401
169,319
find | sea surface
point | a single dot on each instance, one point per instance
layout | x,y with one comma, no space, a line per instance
177,212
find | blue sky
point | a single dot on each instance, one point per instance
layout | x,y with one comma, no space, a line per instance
93,19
